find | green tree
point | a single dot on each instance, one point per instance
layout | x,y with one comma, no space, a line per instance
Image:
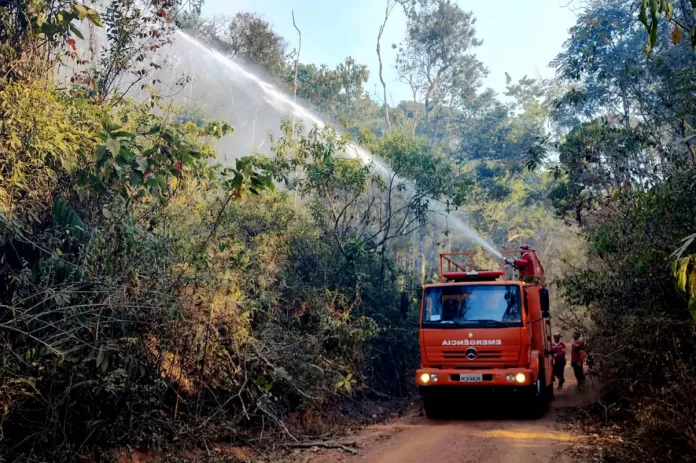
338,93
625,163
436,60
246,37
252,40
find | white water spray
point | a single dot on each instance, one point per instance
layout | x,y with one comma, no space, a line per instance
238,96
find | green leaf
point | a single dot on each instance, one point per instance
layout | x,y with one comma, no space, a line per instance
65,216
76,32
102,360
643,15
161,181
667,9
94,18
114,146
135,178
81,11
653,34
686,244
68,163
681,273
122,134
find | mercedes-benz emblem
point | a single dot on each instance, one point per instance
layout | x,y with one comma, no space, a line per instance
471,335
471,353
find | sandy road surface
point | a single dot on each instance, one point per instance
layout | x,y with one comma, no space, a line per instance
492,438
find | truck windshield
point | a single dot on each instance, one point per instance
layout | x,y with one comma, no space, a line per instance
472,305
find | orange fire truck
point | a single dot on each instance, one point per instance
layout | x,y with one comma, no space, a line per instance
481,329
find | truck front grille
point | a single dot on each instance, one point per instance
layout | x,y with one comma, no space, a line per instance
482,355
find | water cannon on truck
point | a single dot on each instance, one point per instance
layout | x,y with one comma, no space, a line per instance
482,329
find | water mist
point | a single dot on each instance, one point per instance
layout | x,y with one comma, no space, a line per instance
231,92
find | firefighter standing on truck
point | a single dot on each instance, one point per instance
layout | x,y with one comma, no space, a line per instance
559,359
577,358
525,265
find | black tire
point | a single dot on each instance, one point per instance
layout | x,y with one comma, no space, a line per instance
540,395
432,406
546,391
549,392
535,405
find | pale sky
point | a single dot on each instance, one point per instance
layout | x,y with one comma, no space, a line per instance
519,37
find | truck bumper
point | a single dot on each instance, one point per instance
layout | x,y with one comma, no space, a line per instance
497,378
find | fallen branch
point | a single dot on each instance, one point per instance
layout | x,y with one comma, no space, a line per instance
327,445
378,394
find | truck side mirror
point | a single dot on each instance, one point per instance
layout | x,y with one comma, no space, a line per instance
544,303
404,304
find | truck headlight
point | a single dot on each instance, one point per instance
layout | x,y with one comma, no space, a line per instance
521,378
511,378
425,378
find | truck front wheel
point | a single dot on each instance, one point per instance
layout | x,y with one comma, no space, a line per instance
432,405
541,395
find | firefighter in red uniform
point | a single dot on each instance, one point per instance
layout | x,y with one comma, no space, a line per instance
525,265
559,359
577,358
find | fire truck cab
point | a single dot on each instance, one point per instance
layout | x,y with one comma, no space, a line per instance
480,330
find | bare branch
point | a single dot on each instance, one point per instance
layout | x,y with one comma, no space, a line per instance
297,58
387,12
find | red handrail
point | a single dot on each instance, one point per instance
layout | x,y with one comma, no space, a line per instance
463,262
453,265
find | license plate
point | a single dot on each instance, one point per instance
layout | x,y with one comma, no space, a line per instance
470,378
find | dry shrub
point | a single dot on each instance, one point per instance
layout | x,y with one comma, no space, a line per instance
113,340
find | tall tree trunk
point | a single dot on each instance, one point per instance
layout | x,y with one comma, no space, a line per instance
416,108
690,149
626,108
427,103
420,261
387,228
414,252
193,69
297,62
387,12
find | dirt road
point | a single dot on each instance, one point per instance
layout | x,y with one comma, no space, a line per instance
416,439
